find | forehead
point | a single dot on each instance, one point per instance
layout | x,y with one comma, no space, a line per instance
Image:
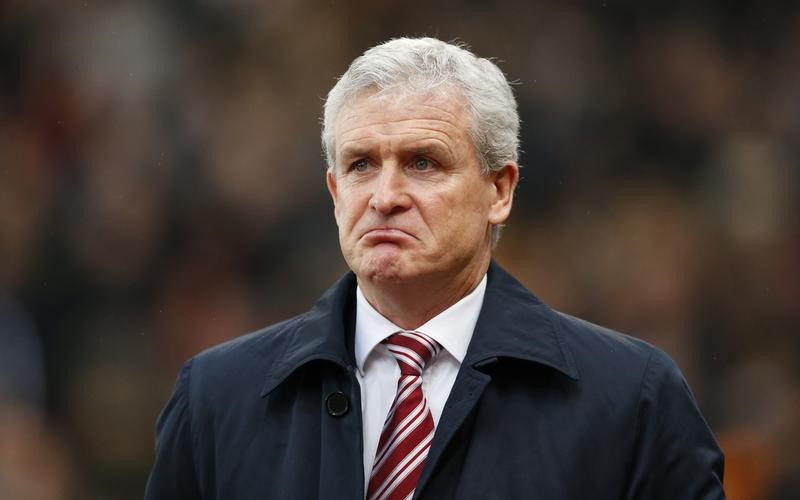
371,114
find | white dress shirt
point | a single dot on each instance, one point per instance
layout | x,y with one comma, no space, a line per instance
378,371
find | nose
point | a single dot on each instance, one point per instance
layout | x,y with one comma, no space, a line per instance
391,191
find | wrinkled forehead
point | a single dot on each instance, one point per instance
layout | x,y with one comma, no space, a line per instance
403,103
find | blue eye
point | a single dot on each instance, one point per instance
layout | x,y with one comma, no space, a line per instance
360,165
422,164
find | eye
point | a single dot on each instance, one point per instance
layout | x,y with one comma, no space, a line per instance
422,164
360,165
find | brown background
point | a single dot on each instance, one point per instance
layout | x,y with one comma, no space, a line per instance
162,190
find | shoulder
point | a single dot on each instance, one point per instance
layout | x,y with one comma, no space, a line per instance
259,343
243,361
588,338
248,362
612,356
583,349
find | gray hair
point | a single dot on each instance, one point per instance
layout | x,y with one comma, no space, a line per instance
423,65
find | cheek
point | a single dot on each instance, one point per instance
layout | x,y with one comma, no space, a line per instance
467,215
342,217
448,218
347,213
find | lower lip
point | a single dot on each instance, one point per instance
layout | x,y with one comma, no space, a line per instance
386,235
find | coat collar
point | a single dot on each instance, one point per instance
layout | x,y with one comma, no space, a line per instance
325,333
515,324
512,324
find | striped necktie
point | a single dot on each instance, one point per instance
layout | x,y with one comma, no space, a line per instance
408,430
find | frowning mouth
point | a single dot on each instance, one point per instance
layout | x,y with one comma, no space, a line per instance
386,235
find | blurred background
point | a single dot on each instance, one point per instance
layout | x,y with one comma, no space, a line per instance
162,190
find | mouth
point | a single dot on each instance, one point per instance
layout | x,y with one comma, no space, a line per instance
379,235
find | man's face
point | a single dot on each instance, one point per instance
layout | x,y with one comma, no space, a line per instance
410,200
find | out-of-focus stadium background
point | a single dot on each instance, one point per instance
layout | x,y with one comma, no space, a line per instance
162,190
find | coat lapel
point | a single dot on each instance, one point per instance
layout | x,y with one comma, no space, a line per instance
326,334
512,324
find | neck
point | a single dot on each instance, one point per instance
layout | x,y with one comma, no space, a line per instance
411,305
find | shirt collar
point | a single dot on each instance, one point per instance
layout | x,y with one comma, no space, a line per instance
512,324
452,328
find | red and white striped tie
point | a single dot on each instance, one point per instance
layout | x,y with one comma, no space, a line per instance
408,430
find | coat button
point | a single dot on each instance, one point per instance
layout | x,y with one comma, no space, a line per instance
337,404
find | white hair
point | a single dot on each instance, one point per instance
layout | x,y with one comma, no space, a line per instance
422,65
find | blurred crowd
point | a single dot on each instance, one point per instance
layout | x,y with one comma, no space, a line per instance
162,190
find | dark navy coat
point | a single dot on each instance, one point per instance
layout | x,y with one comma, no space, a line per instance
545,406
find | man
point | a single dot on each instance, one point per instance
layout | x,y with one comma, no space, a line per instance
428,370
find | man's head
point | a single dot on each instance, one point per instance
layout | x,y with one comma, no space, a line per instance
421,138
420,65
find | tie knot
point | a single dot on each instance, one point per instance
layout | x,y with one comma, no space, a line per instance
412,350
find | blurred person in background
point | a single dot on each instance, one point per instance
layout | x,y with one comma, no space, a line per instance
33,462
427,370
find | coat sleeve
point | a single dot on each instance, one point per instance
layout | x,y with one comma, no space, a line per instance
173,474
676,455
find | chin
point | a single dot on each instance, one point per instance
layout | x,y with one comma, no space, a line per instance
384,267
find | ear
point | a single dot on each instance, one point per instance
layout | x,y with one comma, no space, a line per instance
330,180
504,182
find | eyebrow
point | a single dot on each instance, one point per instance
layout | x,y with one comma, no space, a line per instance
354,152
428,147
417,147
